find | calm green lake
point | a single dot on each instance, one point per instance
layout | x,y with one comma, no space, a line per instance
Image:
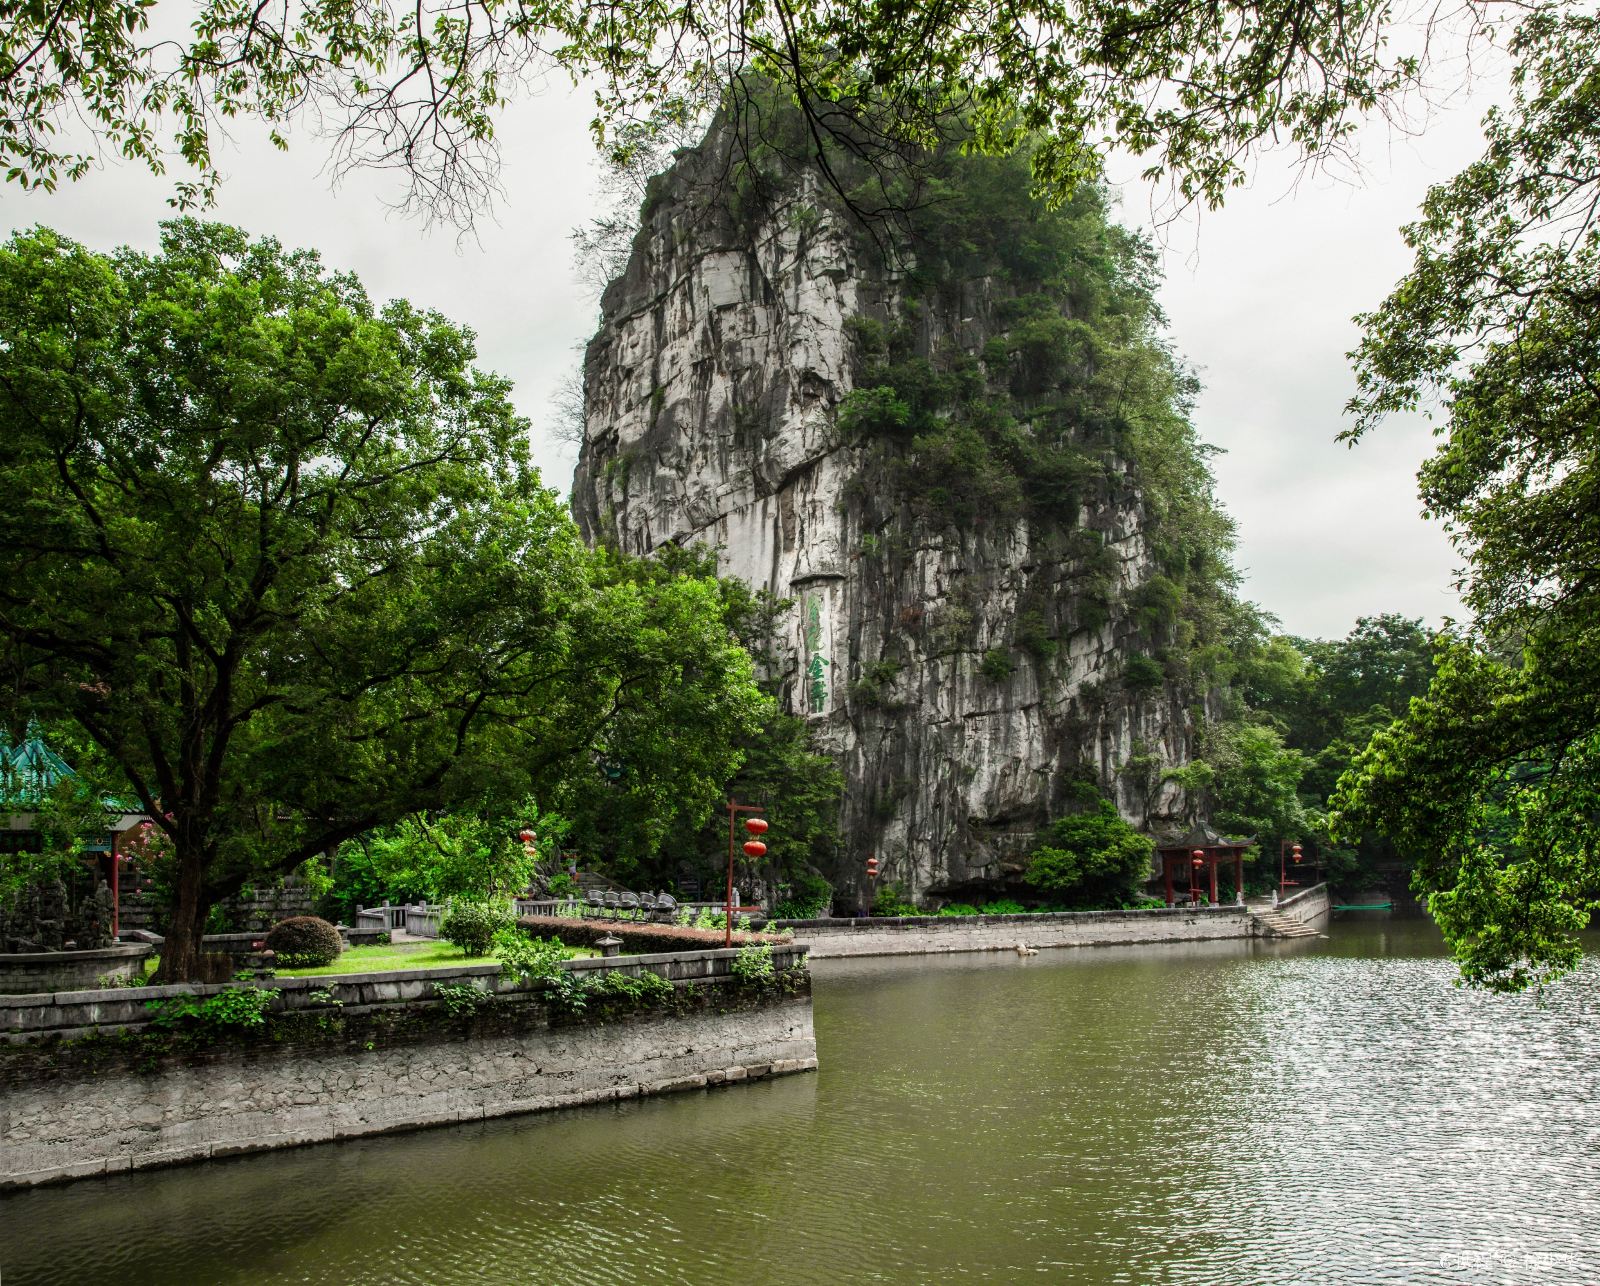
1321,1111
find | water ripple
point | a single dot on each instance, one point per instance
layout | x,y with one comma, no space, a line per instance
1331,1112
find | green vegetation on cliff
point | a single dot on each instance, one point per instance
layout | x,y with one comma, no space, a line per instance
1017,373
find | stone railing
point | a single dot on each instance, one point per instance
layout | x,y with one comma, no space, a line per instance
420,920
70,1013
1313,906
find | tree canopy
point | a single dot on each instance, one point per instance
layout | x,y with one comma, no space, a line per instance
1090,858
419,88
282,556
1496,329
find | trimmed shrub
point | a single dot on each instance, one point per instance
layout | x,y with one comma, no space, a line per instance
637,939
472,926
304,942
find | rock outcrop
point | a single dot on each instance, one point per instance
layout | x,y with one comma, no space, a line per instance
967,660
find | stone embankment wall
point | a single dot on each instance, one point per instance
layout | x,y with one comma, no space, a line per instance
88,1085
921,935
1313,907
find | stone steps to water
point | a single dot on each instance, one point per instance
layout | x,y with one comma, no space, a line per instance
1279,925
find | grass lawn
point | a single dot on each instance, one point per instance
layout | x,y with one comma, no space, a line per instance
397,955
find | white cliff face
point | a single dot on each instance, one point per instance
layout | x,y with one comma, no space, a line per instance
712,391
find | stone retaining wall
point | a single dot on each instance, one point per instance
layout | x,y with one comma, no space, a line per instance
51,971
925,934
88,1086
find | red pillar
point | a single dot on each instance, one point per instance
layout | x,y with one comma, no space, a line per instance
1238,874
1213,879
1166,871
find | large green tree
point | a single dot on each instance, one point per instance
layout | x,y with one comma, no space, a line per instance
640,842
1495,776
282,555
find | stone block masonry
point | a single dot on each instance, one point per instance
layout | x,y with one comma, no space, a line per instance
88,1087
928,934
69,970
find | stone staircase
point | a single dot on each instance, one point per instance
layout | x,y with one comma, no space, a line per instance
1271,923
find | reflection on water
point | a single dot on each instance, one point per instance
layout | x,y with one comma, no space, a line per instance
1319,1111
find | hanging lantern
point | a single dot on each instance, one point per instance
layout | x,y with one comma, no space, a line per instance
1295,851
1199,858
872,868
754,848
756,826
526,835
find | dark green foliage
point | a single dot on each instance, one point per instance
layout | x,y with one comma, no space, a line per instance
1143,673
1090,859
1156,605
303,579
1492,780
622,824
997,665
304,942
523,955
236,1007
462,999
1077,402
809,896
1033,634
472,926
1002,906
872,688
1300,712
890,899
958,908
753,964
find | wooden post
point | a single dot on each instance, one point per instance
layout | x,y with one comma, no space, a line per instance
1213,877
1166,872
727,924
734,809
116,887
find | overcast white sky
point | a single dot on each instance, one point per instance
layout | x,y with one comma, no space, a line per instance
1260,298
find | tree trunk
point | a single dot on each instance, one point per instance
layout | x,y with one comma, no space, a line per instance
182,951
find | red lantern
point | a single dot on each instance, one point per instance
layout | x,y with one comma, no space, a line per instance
872,868
1296,852
1199,858
756,826
526,835
754,848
